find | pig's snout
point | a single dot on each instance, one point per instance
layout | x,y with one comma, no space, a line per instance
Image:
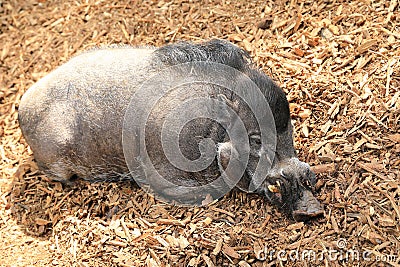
290,185
307,207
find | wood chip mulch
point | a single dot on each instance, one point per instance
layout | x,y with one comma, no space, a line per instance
338,62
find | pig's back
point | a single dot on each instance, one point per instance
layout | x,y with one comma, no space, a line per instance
76,112
97,75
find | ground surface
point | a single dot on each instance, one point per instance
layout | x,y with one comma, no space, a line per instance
338,61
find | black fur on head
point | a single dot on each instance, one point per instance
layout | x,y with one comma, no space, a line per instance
215,50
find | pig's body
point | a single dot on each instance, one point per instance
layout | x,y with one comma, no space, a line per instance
75,123
73,120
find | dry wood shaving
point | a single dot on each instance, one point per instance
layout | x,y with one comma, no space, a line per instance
338,61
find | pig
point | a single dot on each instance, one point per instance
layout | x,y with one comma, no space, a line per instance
73,119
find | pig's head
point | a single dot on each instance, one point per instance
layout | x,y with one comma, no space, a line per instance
284,180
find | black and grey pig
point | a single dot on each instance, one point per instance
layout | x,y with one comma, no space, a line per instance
73,121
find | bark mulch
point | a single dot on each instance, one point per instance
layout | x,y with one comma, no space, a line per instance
338,62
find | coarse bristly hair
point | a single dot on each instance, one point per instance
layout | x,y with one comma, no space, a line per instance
215,50
226,53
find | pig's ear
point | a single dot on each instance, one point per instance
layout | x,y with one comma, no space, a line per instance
226,111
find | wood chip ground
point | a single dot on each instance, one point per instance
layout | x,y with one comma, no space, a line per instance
338,62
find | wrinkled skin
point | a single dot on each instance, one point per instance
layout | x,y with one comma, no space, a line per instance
73,120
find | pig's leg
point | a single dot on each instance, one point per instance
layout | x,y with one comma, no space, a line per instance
182,190
50,137
57,171
52,159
